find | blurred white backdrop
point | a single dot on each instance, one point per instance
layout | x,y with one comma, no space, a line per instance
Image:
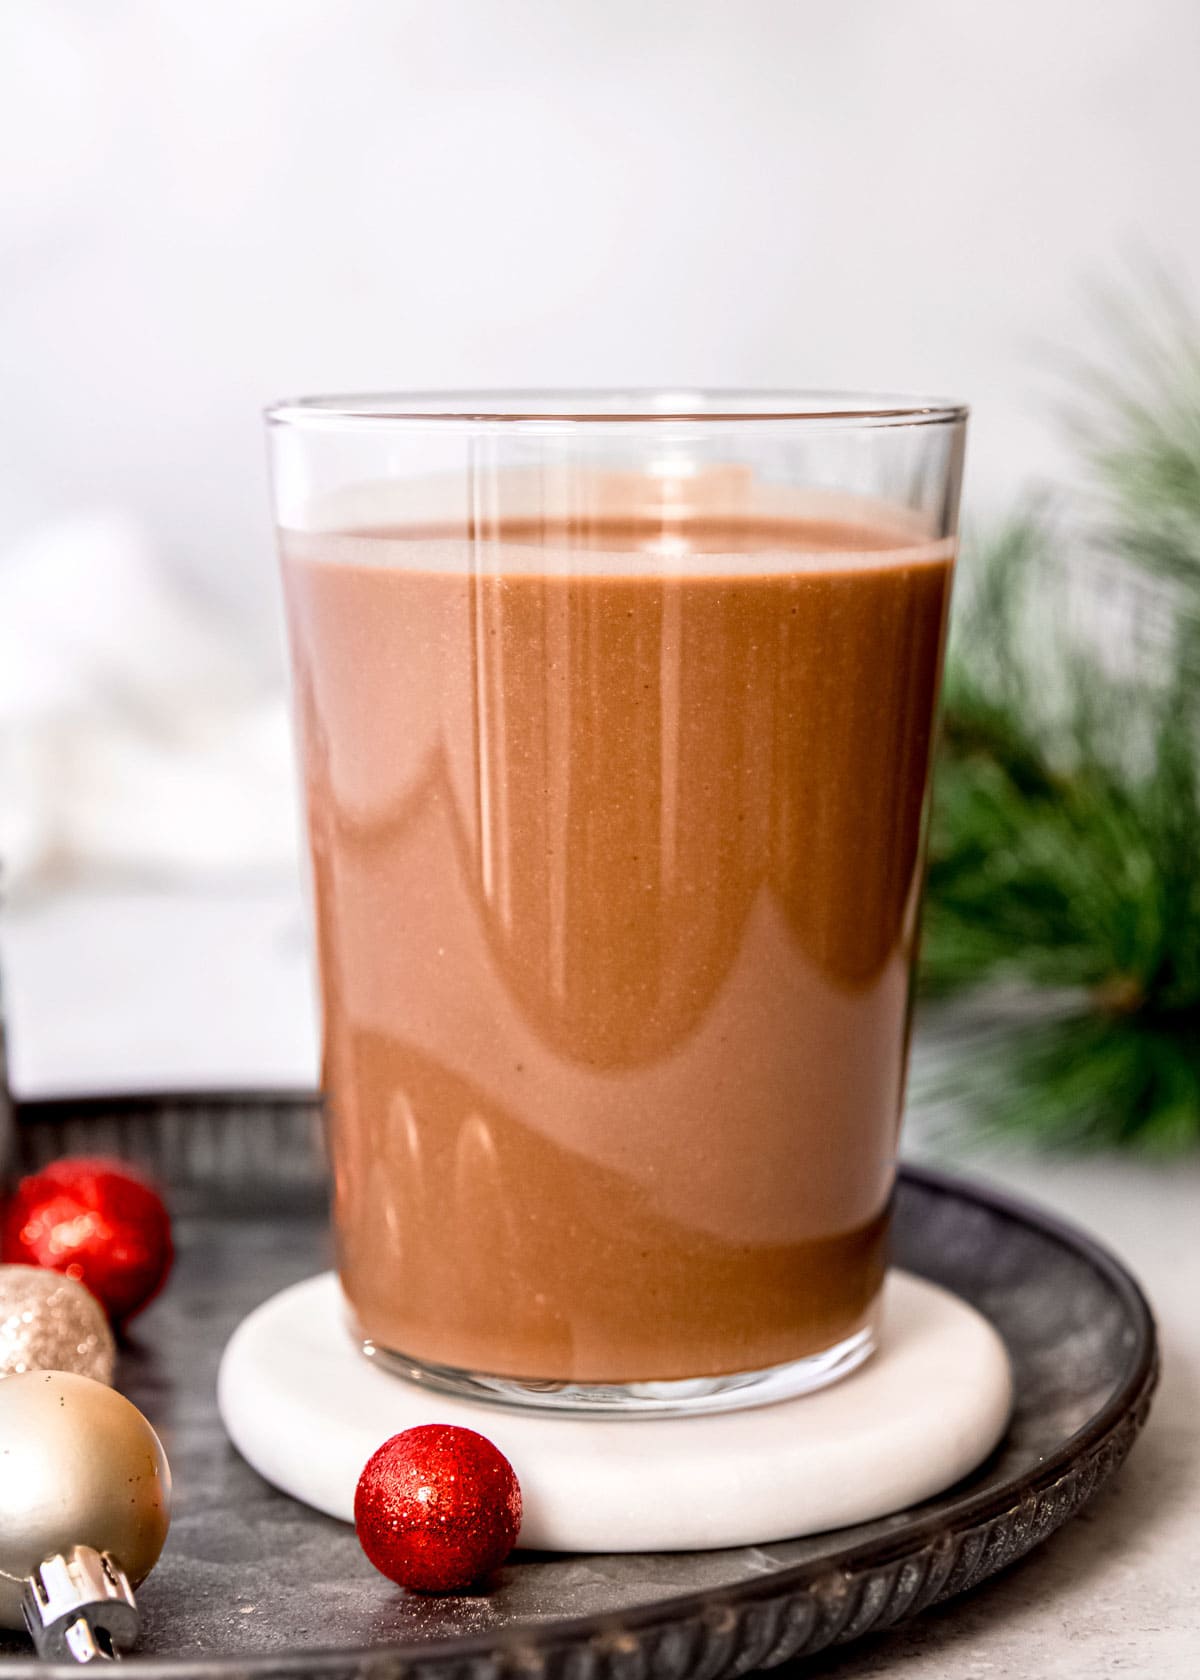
203,207
206,206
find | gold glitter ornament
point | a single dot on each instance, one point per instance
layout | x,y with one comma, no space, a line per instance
49,1322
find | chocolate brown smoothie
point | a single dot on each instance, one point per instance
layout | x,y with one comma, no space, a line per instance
616,831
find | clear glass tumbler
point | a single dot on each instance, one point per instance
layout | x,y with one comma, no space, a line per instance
616,713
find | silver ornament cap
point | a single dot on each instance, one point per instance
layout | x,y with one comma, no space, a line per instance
49,1322
80,1607
79,1466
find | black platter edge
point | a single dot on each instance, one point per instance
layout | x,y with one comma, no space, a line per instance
705,1635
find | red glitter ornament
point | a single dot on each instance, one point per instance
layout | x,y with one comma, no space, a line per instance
99,1223
437,1507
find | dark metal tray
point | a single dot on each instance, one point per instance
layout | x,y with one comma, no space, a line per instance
252,1583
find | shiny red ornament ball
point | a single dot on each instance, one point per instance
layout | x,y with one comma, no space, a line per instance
99,1223
437,1507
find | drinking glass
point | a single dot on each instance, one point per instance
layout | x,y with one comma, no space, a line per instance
616,712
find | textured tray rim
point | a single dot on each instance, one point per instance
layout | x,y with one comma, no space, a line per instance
794,1612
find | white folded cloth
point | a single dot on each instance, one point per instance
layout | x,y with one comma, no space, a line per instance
136,734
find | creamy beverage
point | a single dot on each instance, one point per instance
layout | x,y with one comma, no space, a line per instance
616,829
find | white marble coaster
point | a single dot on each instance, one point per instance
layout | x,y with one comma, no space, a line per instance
307,1410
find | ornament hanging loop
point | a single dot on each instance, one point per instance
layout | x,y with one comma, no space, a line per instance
79,1607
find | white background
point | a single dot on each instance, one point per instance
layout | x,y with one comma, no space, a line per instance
204,206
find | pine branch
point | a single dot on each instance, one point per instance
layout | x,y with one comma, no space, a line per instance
1065,838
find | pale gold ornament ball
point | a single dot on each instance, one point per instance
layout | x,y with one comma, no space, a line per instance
79,1466
49,1322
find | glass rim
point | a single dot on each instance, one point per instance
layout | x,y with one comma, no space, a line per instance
567,408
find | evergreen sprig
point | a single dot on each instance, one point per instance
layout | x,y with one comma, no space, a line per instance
1065,836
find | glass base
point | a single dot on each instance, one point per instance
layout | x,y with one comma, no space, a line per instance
639,1399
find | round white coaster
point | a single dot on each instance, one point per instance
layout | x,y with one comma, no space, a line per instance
307,1410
